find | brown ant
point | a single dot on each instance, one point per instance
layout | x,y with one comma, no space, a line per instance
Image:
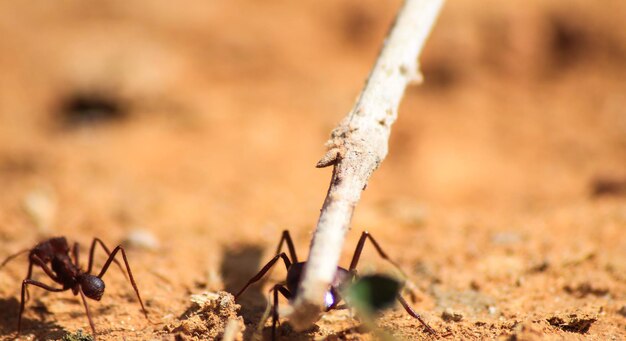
343,276
53,257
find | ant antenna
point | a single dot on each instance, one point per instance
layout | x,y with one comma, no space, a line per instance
13,256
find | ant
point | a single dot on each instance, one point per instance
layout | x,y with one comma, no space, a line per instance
53,257
343,276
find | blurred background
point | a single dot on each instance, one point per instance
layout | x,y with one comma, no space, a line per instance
190,133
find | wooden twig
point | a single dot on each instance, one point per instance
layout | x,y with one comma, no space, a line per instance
357,147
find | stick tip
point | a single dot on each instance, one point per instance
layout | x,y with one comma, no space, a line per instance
303,314
330,158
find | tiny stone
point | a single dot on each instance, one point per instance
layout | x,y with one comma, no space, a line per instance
449,315
622,311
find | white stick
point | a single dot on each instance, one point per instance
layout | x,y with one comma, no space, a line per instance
357,147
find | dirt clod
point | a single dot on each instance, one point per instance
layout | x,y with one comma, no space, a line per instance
584,289
90,108
208,317
608,187
573,322
525,330
539,267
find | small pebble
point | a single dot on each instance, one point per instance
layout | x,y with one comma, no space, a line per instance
41,208
205,298
141,239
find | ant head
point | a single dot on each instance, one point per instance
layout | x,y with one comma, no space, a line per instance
92,286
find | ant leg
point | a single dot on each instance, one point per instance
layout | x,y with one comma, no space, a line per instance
415,315
286,294
92,250
28,276
130,273
359,248
75,253
409,285
264,270
30,269
25,283
286,237
93,327
36,260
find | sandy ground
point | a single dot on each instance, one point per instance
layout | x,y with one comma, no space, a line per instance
503,196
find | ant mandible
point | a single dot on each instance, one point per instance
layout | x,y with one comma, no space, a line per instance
53,257
332,297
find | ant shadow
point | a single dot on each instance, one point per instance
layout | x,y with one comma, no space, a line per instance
238,266
41,329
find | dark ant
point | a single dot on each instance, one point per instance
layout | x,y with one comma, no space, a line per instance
53,257
343,276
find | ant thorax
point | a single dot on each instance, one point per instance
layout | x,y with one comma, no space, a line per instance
64,269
